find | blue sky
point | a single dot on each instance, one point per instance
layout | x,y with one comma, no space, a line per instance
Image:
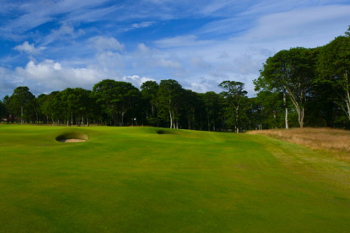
50,45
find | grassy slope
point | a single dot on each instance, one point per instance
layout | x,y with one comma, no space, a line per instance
134,180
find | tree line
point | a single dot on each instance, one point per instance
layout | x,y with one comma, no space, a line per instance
296,88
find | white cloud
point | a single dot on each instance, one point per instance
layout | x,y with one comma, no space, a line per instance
227,27
149,58
200,87
306,27
90,14
62,33
143,24
136,80
8,82
135,26
110,60
106,43
28,48
51,75
37,12
222,7
180,41
200,63
168,63
143,48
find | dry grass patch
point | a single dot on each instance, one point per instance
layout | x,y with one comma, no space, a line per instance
334,141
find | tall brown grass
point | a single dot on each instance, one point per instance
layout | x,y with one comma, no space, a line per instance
334,141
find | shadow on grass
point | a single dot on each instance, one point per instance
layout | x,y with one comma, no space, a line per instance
162,131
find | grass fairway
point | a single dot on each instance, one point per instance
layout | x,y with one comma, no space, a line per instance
136,180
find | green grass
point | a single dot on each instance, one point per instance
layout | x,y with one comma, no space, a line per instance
137,180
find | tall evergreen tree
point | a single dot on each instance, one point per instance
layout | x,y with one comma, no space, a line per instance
169,96
149,90
116,98
212,105
235,100
2,110
20,102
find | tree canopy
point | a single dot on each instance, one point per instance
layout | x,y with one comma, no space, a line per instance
293,72
334,69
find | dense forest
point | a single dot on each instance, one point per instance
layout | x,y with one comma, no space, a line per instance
296,88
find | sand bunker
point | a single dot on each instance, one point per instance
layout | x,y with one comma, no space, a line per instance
72,137
71,140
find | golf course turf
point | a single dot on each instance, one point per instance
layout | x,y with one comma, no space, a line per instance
144,179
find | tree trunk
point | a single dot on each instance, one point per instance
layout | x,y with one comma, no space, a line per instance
171,119
123,118
286,110
301,117
208,123
347,101
301,112
347,98
237,128
21,115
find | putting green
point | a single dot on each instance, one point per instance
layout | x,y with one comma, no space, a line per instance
143,179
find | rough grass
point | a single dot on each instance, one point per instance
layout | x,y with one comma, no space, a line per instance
136,180
334,141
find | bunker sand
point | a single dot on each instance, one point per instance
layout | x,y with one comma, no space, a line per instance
71,140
